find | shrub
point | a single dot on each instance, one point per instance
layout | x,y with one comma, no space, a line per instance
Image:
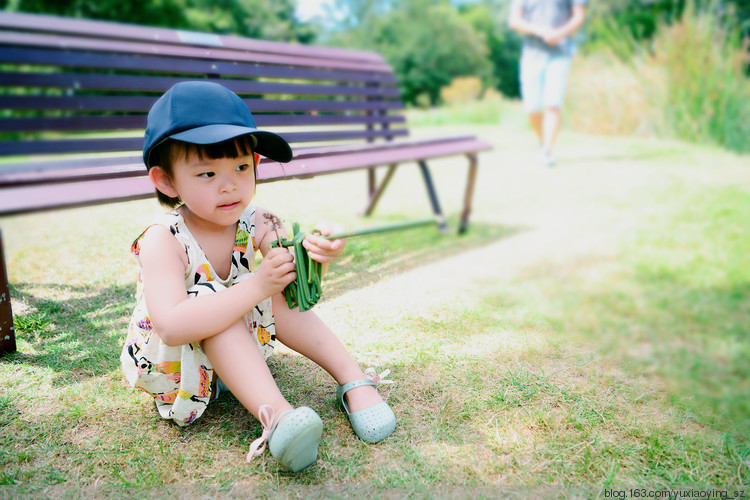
689,82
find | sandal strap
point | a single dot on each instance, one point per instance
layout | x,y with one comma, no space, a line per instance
373,379
357,383
266,415
378,378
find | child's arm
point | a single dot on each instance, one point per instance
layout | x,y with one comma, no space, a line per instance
179,319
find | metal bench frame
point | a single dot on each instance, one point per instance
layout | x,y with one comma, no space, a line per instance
74,96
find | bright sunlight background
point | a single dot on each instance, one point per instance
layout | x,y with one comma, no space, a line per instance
308,9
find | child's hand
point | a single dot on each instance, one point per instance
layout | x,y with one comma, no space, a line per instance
321,249
276,271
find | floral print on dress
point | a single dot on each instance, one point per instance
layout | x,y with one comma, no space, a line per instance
179,377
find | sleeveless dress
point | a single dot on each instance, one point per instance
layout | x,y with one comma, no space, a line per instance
179,377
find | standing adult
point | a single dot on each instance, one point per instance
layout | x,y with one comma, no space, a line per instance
548,47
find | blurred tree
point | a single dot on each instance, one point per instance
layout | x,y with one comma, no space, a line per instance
428,42
489,19
641,18
266,19
425,41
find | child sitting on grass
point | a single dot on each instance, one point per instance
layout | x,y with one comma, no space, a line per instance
202,310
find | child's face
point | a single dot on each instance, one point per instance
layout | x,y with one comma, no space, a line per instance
216,190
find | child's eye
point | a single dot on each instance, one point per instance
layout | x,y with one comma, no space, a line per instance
242,167
206,175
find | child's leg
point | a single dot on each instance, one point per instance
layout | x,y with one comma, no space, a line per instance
306,333
237,360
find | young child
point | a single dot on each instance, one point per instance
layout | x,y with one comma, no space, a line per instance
202,310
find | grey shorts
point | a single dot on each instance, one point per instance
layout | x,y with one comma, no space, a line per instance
543,82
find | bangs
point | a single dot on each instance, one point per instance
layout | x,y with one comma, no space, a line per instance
232,148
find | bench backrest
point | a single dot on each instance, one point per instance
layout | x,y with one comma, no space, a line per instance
70,86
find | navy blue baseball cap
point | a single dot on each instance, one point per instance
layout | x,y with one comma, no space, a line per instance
207,113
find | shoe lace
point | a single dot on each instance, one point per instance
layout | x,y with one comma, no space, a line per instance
378,378
266,415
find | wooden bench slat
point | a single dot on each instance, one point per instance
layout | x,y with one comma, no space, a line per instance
113,103
116,144
138,122
133,184
74,194
194,52
12,53
73,123
331,163
83,82
105,29
25,172
70,171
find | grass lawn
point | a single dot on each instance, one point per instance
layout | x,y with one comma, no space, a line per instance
589,334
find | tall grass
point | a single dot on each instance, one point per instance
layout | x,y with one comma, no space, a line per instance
688,82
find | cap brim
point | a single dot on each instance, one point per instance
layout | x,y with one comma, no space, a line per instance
270,145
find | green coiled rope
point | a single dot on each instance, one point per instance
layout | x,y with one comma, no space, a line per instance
305,291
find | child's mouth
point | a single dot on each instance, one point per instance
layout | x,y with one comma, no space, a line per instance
229,206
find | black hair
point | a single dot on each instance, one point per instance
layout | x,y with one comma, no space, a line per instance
165,154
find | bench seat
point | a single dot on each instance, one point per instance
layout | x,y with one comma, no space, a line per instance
50,186
75,93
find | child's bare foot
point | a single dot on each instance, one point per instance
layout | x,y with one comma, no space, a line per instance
362,397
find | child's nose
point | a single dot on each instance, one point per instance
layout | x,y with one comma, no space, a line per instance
227,184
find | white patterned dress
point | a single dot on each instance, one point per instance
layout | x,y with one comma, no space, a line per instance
179,377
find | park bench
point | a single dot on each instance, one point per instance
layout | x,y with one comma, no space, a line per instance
75,94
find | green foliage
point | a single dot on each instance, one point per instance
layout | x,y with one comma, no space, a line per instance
709,97
426,55
643,19
691,76
503,44
32,324
266,19
432,42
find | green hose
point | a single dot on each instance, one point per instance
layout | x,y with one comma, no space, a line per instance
305,291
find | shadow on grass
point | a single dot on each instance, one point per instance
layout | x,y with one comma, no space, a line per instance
78,334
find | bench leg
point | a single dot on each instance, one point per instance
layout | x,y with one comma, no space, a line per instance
377,191
7,333
469,196
371,181
433,196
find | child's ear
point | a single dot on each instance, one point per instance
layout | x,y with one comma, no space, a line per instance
162,182
256,157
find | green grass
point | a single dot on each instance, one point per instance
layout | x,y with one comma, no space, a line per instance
524,366
486,111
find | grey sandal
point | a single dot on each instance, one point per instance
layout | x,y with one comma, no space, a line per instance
371,424
293,442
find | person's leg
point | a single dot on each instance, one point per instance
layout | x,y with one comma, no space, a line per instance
532,80
555,84
536,120
550,128
306,333
236,358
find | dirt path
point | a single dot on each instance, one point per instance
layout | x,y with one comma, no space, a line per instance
602,192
